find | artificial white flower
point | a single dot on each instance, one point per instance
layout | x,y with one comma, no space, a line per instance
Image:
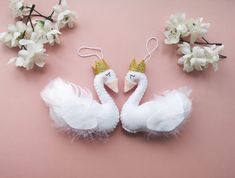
18,8
197,28
34,54
186,62
196,57
49,31
65,17
30,34
12,37
172,36
184,48
61,7
199,58
178,22
176,28
212,54
192,59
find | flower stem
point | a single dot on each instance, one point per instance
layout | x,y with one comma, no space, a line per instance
23,47
218,44
43,16
40,15
31,11
205,43
29,19
60,1
202,43
222,56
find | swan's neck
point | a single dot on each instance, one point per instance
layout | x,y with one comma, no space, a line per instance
103,95
138,94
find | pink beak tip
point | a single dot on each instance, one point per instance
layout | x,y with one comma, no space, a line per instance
128,86
113,86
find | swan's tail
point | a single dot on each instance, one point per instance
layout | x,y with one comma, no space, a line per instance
172,109
70,106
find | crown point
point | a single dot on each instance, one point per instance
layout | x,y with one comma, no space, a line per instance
137,66
100,66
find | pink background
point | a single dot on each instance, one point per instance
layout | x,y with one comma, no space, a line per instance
31,147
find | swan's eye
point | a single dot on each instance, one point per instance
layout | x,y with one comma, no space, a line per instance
108,74
132,76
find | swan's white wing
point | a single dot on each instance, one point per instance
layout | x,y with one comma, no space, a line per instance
70,105
170,110
81,114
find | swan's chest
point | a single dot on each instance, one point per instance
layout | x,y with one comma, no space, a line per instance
109,110
134,117
108,117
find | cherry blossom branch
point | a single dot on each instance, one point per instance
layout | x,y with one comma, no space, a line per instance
31,11
43,16
205,43
29,19
60,1
37,30
201,43
39,15
220,55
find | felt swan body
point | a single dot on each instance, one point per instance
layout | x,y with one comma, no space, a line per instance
164,114
73,108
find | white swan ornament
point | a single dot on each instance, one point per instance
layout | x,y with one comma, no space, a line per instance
163,114
73,108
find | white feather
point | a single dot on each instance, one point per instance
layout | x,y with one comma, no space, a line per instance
170,111
70,105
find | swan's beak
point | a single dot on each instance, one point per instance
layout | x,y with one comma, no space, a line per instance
129,85
113,85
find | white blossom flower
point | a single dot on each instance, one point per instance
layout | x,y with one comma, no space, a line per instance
185,60
12,37
184,48
65,17
193,59
197,28
212,54
172,36
34,54
49,31
176,28
199,60
18,8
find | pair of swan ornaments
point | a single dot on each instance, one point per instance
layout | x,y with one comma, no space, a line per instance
72,107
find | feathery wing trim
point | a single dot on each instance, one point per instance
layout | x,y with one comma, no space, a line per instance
70,104
171,110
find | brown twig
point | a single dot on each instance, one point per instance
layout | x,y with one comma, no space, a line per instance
205,43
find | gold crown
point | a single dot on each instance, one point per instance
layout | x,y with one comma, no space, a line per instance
137,66
100,66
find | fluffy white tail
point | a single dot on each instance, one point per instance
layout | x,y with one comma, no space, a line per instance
70,106
171,110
